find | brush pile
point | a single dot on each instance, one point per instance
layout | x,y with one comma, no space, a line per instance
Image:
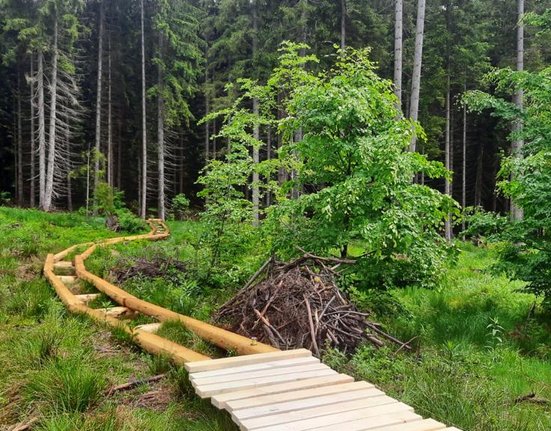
299,304
164,267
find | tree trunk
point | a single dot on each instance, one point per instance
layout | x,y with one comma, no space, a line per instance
161,134
256,129
48,193
110,173
464,160
32,195
343,23
41,131
398,45
517,212
417,62
479,176
143,188
19,142
97,148
207,112
447,184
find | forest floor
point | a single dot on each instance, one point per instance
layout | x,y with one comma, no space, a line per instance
482,347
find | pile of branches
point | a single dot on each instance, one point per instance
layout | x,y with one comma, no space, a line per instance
298,304
164,267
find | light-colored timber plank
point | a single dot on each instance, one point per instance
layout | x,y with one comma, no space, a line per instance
237,361
221,400
63,264
117,312
378,405
67,279
64,267
296,395
149,327
87,297
256,367
341,421
218,388
294,405
254,374
423,425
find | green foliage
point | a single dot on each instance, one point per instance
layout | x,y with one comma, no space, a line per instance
483,225
129,222
180,206
344,146
526,177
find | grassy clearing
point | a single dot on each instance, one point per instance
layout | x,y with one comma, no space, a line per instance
480,344
55,366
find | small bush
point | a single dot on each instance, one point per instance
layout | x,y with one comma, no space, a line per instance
482,225
180,206
128,222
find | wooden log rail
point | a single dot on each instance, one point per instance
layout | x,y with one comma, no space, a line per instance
142,335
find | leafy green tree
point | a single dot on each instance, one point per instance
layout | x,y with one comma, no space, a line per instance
351,166
526,179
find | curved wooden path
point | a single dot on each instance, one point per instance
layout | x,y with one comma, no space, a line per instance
263,388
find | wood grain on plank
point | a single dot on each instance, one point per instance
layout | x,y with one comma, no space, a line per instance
236,361
377,405
221,400
218,388
299,394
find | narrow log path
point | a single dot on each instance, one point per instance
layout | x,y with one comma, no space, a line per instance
263,388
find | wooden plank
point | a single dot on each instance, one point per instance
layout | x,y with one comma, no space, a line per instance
87,297
237,361
339,422
118,312
451,429
148,327
258,401
217,388
378,405
255,367
222,400
315,401
261,373
422,425
67,279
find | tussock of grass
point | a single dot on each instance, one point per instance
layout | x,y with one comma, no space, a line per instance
66,385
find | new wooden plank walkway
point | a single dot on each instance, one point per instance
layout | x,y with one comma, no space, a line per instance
293,391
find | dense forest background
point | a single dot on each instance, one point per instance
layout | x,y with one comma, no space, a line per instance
113,91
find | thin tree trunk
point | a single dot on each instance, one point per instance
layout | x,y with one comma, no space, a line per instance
398,46
41,131
161,134
32,196
517,212
417,63
119,154
19,143
464,160
48,194
256,129
343,23
110,173
268,157
143,189
447,184
97,147
479,176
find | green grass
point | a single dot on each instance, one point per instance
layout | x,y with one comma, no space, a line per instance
462,373
58,365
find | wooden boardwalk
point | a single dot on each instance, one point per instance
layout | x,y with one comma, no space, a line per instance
264,389
293,391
